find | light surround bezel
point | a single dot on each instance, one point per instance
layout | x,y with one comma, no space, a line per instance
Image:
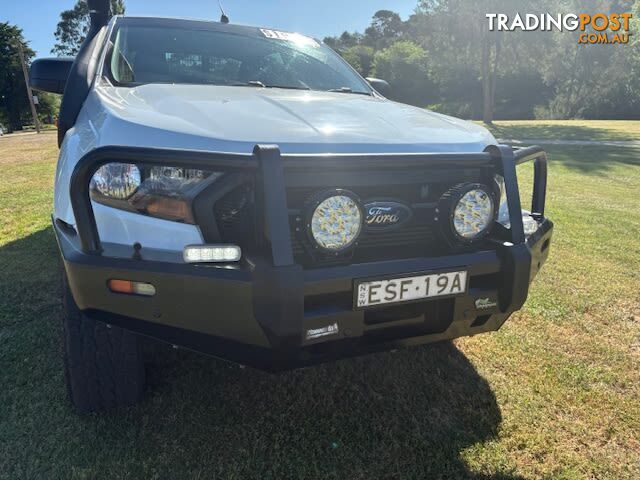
312,206
452,199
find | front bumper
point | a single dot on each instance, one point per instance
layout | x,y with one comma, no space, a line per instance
261,311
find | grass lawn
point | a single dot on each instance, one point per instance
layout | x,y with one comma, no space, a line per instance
599,130
554,394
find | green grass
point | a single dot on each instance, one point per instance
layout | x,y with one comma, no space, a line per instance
554,394
598,130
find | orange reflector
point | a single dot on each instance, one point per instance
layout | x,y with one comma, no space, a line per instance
121,286
132,288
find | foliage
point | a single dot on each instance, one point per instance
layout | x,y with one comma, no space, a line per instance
344,41
361,58
404,64
74,25
476,73
386,28
48,106
14,104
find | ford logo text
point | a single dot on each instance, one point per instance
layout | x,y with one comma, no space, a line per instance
382,215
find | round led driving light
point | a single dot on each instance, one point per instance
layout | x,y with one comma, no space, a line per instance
116,180
474,213
336,222
467,212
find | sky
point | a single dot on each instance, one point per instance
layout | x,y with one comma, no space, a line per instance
318,18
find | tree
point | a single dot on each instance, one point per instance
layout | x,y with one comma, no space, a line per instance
74,25
456,34
404,66
361,58
478,73
48,106
14,103
592,81
344,41
386,28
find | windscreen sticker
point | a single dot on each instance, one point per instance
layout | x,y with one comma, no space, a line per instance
289,37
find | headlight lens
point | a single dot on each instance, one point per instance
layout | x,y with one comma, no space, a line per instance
336,222
473,214
159,191
116,180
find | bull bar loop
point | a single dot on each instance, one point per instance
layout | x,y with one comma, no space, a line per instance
271,165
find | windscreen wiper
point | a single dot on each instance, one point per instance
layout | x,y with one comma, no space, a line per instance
348,90
258,83
251,83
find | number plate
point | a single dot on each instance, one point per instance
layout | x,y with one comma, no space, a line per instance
408,289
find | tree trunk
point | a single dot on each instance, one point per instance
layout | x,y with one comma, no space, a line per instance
493,73
487,104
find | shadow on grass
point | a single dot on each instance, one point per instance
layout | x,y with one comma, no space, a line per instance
552,131
592,159
408,414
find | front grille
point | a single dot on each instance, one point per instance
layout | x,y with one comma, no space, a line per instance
236,215
416,238
411,240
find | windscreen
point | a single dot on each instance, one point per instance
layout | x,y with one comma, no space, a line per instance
154,54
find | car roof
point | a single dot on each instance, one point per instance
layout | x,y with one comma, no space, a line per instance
168,22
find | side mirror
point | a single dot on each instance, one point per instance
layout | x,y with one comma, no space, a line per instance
50,74
380,86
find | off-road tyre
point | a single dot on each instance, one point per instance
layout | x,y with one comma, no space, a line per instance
103,364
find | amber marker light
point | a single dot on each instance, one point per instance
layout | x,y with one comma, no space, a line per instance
132,288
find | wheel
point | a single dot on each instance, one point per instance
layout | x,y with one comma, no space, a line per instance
103,364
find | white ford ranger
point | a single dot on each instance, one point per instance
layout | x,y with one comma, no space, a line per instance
243,192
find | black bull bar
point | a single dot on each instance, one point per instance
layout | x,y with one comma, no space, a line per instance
278,284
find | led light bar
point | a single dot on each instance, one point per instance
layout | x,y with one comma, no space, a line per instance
212,254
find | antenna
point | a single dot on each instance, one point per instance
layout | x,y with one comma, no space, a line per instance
223,17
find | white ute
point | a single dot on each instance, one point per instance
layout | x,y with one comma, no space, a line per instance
245,193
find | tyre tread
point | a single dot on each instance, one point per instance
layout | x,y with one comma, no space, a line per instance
103,364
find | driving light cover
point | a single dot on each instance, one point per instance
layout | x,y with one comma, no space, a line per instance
473,214
212,254
470,211
336,221
116,180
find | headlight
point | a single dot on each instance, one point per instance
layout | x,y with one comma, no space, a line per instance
470,211
116,180
529,223
159,191
336,222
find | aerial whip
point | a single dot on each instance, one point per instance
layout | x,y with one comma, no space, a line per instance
223,16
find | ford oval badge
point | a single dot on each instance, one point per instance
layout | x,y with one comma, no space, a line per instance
385,215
